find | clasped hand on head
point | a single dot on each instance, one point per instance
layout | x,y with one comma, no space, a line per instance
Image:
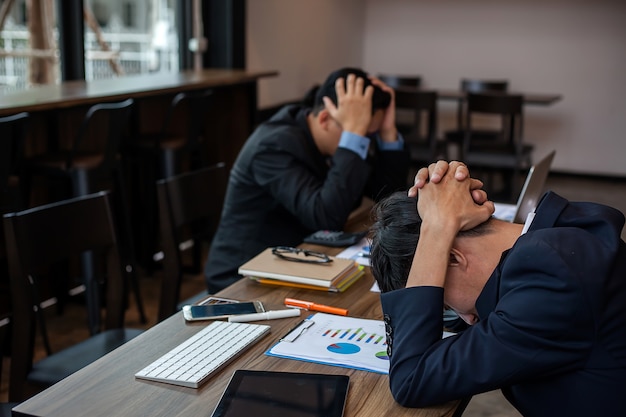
449,195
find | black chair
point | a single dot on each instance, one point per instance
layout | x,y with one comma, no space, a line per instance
94,152
180,145
505,152
395,81
468,85
190,206
12,136
5,408
38,238
406,117
92,163
421,139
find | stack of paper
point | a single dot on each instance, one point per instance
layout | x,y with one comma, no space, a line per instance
335,276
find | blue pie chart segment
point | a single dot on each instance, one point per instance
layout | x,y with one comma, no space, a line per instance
344,348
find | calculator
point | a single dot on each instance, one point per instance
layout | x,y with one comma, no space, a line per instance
335,238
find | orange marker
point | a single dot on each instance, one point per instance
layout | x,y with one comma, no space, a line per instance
308,305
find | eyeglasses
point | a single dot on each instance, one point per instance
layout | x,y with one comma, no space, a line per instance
291,254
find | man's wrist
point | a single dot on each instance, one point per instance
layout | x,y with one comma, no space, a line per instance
389,135
357,130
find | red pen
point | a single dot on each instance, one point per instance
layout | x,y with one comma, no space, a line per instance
308,305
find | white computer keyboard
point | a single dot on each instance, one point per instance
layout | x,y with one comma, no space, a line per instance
197,358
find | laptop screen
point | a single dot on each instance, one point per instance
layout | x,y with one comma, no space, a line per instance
533,188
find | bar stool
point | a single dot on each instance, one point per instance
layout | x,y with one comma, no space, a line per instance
180,145
12,135
93,158
176,150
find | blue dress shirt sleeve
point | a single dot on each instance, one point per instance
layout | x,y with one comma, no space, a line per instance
356,143
390,146
360,144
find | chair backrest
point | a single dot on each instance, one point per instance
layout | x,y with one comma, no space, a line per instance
424,105
12,134
395,81
471,85
36,240
190,200
509,108
483,86
108,122
39,237
188,108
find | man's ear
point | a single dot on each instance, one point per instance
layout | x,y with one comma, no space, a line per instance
457,259
323,119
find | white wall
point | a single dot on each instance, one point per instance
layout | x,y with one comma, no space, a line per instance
576,48
303,40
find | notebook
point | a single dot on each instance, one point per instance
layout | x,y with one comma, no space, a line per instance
529,196
267,265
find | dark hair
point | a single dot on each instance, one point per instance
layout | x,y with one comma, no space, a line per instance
394,235
380,98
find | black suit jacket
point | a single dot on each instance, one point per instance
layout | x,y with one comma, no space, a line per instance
552,329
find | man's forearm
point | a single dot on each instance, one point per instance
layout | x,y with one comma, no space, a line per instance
430,262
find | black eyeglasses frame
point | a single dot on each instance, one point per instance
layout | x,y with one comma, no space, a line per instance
283,252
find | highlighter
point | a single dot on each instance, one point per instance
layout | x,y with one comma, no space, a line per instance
308,305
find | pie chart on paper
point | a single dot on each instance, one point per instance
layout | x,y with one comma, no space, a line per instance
344,348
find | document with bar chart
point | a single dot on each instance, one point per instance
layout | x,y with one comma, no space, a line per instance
339,341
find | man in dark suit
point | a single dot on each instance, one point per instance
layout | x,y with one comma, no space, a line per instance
306,169
546,301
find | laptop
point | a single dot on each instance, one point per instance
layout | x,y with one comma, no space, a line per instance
529,196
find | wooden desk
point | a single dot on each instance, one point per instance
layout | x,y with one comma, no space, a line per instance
529,98
108,387
537,99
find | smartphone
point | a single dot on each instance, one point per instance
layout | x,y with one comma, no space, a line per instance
217,300
221,311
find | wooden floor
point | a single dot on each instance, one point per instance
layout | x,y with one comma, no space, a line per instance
492,404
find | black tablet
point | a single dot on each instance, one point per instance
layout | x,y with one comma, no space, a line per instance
283,394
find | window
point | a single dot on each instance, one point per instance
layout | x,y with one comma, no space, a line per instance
127,37
26,59
121,37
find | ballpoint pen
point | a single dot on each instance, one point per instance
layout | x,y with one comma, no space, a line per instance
308,305
266,315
